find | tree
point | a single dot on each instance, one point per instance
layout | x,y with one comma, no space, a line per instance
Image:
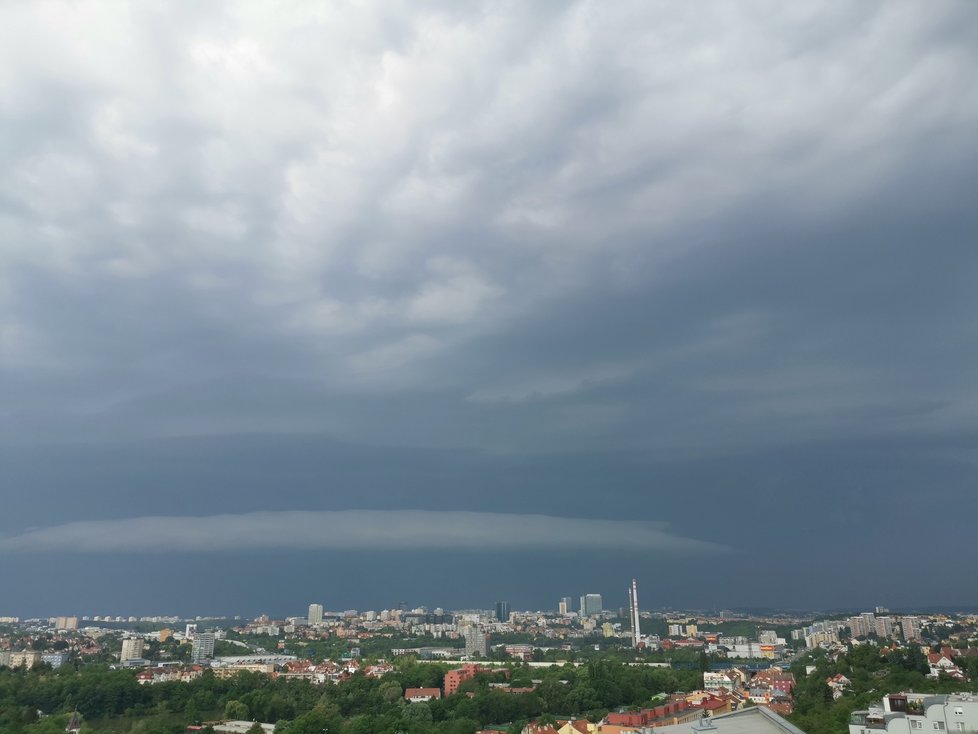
391,691
417,712
255,729
236,710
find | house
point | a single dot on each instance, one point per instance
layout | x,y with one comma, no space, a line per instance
534,728
714,706
576,726
379,670
940,663
421,695
838,684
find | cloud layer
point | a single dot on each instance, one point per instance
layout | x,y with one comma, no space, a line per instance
532,226
362,530
712,260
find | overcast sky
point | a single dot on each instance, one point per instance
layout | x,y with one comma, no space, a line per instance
455,302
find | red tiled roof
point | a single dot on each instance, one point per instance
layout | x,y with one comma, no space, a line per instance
422,693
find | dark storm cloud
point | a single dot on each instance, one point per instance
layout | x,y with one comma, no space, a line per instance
581,232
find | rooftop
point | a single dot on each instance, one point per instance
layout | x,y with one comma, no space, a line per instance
756,720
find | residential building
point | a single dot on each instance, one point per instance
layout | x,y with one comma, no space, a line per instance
421,695
910,626
25,659
476,642
884,626
728,679
132,649
455,678
904,713
203,647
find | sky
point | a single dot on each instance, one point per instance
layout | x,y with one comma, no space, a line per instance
448,303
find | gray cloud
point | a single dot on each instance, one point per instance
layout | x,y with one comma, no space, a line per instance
577,234
491,207
354,530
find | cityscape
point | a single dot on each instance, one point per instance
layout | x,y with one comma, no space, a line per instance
488,367
769,672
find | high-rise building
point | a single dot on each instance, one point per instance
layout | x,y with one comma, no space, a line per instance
633,613
203,647
132,649
590,604
475,641
884,626
502,611
566,605
315,614
911,628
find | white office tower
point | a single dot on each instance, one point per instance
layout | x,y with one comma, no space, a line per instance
315,614
132,649
203,648
633,613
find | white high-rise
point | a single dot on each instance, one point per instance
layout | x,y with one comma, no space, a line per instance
315,614
633,613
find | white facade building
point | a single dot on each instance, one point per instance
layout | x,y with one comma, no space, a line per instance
912,713
315,614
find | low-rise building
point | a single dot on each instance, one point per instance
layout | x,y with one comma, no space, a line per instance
455,678
905,713
421,695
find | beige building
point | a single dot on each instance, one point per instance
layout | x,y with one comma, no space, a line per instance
25,659
132,649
